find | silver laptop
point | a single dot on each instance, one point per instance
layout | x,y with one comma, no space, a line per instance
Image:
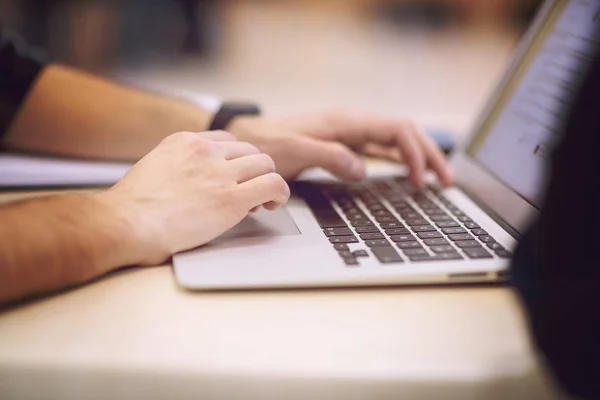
384,232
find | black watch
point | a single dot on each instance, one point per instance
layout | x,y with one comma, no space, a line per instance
229,111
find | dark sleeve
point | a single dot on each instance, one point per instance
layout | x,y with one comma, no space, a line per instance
556,267
19,67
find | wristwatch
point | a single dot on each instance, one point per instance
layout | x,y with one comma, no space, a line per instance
229,111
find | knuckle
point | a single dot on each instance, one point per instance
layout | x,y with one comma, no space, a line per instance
178,137
267,161
203,146
226,135
250,148
278,185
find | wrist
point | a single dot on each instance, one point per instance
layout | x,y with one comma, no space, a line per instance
134,243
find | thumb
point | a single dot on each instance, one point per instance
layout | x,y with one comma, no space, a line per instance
334,157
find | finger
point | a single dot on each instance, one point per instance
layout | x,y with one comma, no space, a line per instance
270,190
233,150
411,150
357,130
252,166
434,156
385,152
334,157
217,136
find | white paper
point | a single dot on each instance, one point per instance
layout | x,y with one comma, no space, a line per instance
18,170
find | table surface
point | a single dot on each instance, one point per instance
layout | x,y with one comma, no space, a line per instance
136,334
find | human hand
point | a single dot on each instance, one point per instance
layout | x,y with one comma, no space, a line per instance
334,140
192,188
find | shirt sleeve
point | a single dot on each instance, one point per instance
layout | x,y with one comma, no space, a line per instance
556,268
19,67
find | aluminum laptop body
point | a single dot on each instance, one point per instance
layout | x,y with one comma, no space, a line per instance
382,232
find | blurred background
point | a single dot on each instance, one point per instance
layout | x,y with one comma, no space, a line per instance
435,60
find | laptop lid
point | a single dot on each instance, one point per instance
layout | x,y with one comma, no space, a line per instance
502,165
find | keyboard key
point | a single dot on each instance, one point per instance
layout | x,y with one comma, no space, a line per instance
432,211
376,207
451,231
400,204
367,229
503,253
390,225
377,243
357,217
346,254
403,238
477,253
478,232
386,219
465,219
409,245
441,218
443,249
362,223
353,211
371,236
338,231
410,214
360,253
495,246
351,261
397,231
405,210
447,224
415,252
448,256
436,242
329,219
460,236
341,247
429,235
486,238
468,243
387,255
472,225
382,213
421,258
343,239
416,221
423,228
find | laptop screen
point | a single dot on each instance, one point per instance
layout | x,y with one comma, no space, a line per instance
517,135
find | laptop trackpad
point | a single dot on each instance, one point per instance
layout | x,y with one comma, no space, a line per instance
262,223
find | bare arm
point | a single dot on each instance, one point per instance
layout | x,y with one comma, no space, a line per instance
55,242
72,113
184,193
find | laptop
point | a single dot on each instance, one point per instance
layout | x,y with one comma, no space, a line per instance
383,231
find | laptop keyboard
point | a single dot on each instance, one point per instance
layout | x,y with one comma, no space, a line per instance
395,223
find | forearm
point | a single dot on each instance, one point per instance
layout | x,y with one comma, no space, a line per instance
55,242
72,113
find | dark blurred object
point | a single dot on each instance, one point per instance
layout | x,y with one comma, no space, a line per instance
94,34
430,14
524,11
443,138
439,14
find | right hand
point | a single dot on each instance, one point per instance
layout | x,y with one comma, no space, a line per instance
192,188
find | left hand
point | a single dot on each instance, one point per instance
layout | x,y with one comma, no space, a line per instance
335,140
